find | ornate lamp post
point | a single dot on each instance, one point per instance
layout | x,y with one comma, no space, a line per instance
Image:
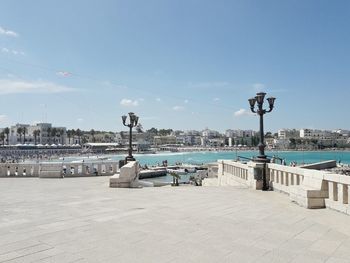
259,100
133,120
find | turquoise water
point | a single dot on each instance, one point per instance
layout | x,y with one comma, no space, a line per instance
207,157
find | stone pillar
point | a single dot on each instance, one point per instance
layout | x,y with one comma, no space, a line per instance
255,175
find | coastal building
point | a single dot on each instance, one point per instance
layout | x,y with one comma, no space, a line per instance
161,140
316,134
207,133
40,133
342,133
288,133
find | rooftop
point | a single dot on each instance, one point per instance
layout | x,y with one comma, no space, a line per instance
83,220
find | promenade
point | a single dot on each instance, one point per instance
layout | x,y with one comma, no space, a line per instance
83,220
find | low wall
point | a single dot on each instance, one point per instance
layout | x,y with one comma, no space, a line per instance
307,187
321,165
58,169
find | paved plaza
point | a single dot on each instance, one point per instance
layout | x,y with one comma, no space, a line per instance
83,220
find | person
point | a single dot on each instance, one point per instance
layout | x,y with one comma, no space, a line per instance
64,171
273,159
283,161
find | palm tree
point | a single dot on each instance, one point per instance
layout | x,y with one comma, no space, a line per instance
7,132
24,134
19,132
2,137
92,132
49,134
73,134
54,134
69,135
36,133
79,133
61,132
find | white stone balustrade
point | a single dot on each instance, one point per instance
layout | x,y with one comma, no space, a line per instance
231,172
58,169
307,187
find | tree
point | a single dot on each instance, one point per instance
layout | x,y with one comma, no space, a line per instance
24,134
2,137
79,134
69,135
61,132
49,134
268,135
73,134
19,132
36,133
7,132
165,132
139,128
292,143
92,133
152,131
54,134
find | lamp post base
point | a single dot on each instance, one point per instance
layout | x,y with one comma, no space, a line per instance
262,159
129,159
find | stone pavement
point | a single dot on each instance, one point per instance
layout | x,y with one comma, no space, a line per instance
83,220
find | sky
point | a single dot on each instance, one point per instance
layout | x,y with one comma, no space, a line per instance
184,64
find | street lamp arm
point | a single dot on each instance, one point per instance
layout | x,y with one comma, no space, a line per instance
271,108
252,109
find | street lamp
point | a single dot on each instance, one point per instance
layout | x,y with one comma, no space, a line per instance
259,100
133,120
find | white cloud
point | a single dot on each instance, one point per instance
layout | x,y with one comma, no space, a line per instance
186,101
141,99
216,99
63,73
3,119
129,103
178,108
12,51
243,112
158,99
258,87
10,86
80,120
6,32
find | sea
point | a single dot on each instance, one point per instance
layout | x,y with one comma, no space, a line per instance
199,158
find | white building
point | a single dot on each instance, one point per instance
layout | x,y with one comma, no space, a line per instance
288,133
45,134
239,133
210,133
316,134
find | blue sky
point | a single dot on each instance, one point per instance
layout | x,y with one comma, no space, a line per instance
185,64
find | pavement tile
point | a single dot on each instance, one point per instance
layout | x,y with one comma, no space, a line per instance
83,220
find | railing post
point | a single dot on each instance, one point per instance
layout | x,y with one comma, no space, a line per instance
343,193
333,193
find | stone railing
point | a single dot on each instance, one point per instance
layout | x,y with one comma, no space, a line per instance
338,192
231,172
58,169
307,187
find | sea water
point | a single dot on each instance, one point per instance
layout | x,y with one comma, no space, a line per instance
199,158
